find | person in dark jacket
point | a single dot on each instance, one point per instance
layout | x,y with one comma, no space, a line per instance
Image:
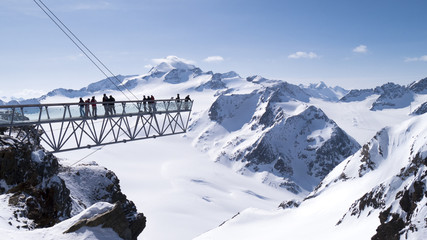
187,102
144,102
153,103
82,107
105,104
111,105
87,102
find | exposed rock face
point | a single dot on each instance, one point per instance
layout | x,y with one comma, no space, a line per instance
30,175
420,110
419,87
289,204
390,96
393,96
115,219
215,82
176,76
400,201
44,193
298,137
79,180
309,141
357,95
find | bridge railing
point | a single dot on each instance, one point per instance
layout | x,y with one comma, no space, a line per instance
21,115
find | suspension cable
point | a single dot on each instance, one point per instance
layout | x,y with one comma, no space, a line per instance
75,39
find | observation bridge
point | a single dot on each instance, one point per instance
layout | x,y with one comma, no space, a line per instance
72,126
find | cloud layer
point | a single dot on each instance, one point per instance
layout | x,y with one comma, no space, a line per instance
361,49
308,55
417,59
214,59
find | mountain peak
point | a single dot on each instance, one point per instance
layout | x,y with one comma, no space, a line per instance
172,62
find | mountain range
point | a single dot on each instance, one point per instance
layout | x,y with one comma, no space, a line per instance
352,160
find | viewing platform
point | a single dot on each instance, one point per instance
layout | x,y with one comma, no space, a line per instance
72,126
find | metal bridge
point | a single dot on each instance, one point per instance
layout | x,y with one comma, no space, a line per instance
72,126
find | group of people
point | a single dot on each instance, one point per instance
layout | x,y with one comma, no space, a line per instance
107,102
148,102
186,102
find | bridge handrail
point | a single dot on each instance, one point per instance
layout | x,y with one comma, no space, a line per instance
90,103
26,114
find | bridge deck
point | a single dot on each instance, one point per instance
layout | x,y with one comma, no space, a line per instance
72,126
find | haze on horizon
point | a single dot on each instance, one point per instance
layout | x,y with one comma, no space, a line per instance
357,44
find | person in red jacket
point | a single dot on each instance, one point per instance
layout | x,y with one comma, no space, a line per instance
94,111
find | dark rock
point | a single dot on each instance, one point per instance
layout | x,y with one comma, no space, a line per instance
420,110
115,219
419,87
389,230
31,176
289,204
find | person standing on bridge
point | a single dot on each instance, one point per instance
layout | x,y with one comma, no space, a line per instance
94,111
105,104
87,102
82,107
144,102
187,102
112,107
153,103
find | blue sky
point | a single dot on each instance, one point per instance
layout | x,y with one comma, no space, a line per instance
353,44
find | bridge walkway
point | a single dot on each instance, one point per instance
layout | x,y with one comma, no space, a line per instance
71,126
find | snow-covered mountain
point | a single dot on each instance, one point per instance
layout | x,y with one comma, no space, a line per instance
378,192
421,109
322,91
390,95
253,142
273,133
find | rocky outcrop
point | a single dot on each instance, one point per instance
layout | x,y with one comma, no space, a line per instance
43,193
393,96
420,110
390,96
419,86
309,140
115,219
30,174
106,189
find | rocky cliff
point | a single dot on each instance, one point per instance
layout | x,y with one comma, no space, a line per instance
41,192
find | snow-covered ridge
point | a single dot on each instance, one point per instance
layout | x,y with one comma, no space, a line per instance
378,192
273,134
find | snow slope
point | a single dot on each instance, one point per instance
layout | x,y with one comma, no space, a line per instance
360,198
183,192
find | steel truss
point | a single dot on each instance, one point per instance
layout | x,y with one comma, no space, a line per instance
65,131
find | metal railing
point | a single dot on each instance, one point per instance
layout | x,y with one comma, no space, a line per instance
71,126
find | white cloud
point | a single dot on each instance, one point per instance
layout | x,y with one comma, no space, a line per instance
214,59
172,59
416,59
361,49
29,93
298,55
149,66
